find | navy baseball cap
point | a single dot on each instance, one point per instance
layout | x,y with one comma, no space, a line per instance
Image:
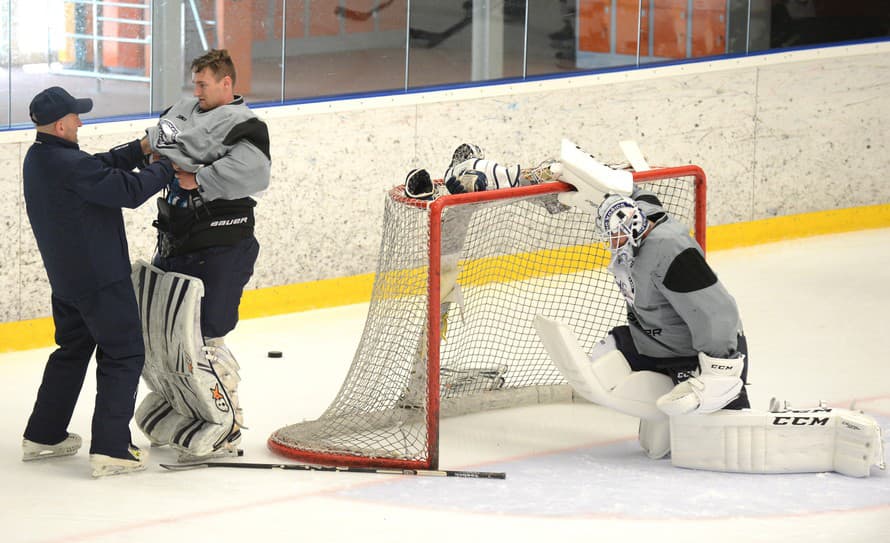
54,103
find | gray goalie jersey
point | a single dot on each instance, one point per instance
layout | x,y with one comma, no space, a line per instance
676,306
227,146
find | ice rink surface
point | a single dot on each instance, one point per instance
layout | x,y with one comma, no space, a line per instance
816,316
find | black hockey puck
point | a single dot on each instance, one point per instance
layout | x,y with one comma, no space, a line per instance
275,354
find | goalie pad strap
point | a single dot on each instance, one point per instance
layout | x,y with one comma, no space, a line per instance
796,441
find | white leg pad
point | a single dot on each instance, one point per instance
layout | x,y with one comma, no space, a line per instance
794,441
607,380
655,437
177,367
157,419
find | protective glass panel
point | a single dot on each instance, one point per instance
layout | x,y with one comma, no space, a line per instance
96,50
457,41
338,48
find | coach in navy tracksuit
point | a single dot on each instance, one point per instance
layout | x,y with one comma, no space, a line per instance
74,203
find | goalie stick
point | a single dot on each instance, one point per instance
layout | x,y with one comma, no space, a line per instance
357,15
310,467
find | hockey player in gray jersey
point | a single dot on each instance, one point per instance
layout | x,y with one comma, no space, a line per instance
680,316
206,245
681,361
683,349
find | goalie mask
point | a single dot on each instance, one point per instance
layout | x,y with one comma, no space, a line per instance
618,219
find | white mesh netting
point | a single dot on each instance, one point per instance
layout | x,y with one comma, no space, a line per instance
515,257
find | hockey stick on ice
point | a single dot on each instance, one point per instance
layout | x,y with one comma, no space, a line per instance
309,467
357,15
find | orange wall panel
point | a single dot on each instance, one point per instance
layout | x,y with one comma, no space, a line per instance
594,25
708,27
627,21
234,32
669,28
323,19
295,23
393,16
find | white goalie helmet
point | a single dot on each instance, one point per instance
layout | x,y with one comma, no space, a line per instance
619,217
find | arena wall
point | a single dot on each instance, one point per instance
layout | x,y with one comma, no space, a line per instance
779,135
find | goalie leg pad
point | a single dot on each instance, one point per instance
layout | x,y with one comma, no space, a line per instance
226,367
793,441
157,419
195,438
606,380
655,437
176,364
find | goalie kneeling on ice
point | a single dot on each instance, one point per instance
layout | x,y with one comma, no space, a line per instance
791,441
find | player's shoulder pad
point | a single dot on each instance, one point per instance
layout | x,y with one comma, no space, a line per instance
649,203
253,130
689,272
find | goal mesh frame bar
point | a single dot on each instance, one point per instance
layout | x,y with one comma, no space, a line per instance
291,441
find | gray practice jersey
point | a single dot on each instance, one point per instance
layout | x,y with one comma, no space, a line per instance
676,305
227,146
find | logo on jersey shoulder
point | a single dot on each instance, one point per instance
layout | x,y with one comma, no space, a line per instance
167,134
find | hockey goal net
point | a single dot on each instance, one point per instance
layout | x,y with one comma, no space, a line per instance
516,253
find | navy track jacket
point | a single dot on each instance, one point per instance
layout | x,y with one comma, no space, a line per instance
74,202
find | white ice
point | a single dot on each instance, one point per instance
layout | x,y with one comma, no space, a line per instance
817,320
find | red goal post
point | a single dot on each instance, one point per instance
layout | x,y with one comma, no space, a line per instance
512,253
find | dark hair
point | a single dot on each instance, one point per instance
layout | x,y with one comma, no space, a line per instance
218,61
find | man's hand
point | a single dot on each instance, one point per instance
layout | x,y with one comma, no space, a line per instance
187,180
146,147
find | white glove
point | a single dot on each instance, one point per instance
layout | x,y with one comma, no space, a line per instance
718,383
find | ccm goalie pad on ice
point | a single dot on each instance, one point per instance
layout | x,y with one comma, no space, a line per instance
190,406
780,440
